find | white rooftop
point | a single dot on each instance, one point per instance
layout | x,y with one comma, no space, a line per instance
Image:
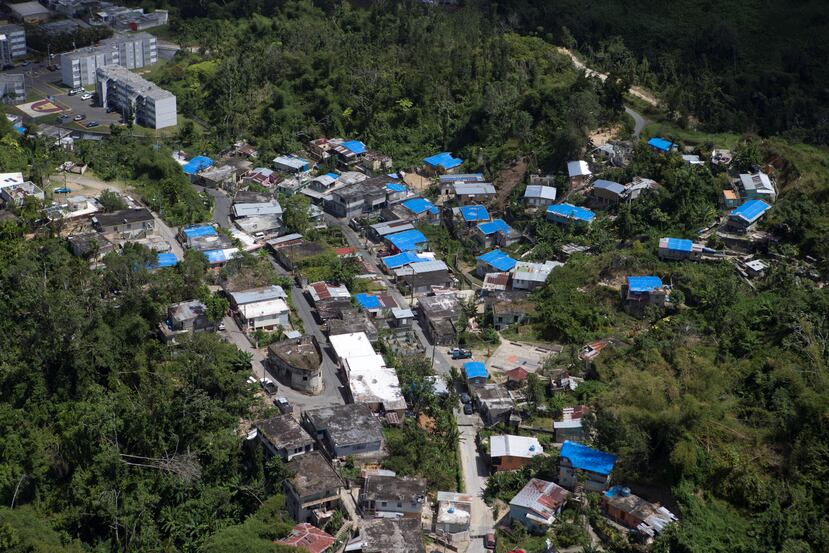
539,191
376,385
355,344
578,169
257,208
508,445
525,270
263,309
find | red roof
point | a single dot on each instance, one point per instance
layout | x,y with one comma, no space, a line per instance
518,373
309,538
344,251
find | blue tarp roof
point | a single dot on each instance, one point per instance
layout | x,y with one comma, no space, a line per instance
215,256
355,146
643,283
569,211
368,301
419,205
403,258
407,240
680,244
20,129
475,369
166,260
443,159
199,231
197,164
497,225
395,187
472,213
334,176
751,210
661,144
498,259
586,458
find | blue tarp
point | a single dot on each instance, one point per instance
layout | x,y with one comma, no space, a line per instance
419,205
569,211
680,244
334,176
443,160
215,256
396,261
408,240
643,283
661,144
475,369
166,260
499,260
497,225
586,458
197,164
472,213
199,231
368,301
392,175
20,129
751,210
355,146
395,187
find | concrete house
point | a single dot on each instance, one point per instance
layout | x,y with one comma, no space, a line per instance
537,505
468,216
628,509
539,197
494,403
583,466
570,426
494,261
391,494
283,436
299,362
454,513
264,307
496,233
357,199
440,164
386,535
378,231
309,538
312,493
508,452
529,276
374,385
345,430
509,308
185,317
641,291
125,221
605,193
466,193
439,315
422,277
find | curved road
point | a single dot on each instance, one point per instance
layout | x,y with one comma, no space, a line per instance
638,121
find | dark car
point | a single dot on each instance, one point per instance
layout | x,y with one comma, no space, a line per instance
467,409
283,405
92,124
64,118
268,385
465,398
489,540
460,353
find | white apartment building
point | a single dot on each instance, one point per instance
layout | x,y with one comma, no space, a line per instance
12,43
125,91
12,88
132,51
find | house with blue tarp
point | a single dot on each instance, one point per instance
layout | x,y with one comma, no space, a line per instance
679,249
469,215
641,291
407,241
402,259
196,231
442,163
396,191
495,261
592,467
496,233
421,209
565,214
165,260
376,303
475,372
198,163
661,144
745,217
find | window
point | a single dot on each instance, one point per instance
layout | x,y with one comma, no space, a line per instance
382,503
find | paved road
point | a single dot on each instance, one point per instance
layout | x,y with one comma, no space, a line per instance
475,474
221,205
638,121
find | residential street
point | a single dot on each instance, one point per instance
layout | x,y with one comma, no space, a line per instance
475,474
221,205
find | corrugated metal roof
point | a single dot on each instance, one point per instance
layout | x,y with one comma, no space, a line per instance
473,188
676,244
577,168
539,191
464,177
751,210
609,185
498,259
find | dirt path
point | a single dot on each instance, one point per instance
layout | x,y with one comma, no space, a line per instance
87,184
637,91
507,179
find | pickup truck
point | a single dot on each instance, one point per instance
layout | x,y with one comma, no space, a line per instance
460,353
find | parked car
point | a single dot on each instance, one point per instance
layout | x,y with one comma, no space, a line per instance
465,398
222,326
467,409
86,96
75,90
79,117
489,540
92,124
268,385
64,118
283,405
460,353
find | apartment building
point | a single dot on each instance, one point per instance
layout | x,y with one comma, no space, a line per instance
12,43
78,67
125,91
12,88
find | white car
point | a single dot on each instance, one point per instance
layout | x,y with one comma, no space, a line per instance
86,96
